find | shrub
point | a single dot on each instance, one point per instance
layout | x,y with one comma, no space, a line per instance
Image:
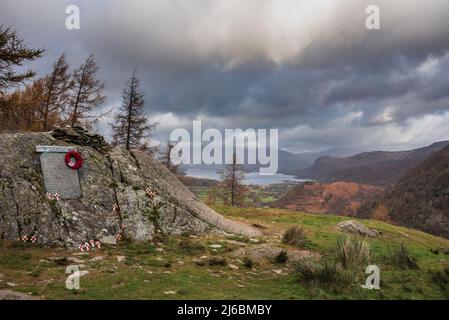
352,253
215,261
441,278
434,251
159,238
402,259
190,247
248,262
281,257
183,292
341,267
295,236
326,274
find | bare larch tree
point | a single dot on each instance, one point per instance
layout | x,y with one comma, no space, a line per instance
232,177
57,91
87,91
131,123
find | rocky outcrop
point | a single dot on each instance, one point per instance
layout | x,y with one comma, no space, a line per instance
124,194
356,227
81,137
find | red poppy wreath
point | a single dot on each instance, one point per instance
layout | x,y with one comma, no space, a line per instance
76,156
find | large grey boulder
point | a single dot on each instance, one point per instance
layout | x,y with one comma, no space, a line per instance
356,227
109,176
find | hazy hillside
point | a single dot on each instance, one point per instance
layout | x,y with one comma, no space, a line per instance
420,199
379,168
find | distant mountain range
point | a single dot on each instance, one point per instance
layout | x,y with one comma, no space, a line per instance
289,163
377,168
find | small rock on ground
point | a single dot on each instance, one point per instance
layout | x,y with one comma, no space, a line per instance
82,254
266,252
111,240
97,258
75,260
169,292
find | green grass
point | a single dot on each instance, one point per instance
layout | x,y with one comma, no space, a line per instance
148,271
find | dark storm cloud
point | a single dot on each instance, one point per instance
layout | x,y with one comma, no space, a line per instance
310,68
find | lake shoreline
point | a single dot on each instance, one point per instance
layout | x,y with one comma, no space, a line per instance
251,178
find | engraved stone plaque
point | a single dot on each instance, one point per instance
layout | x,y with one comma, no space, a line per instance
58,177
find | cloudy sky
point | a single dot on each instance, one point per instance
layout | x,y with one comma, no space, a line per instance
308,67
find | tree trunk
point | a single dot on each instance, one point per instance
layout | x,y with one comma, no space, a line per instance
47,103
233,185
78,96
128,133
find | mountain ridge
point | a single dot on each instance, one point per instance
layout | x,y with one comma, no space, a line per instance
378,168
420,199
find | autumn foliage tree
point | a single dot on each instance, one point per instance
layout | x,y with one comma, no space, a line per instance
131,124
29,104
38,106
212,195
13,53
86,91
21,109
56,99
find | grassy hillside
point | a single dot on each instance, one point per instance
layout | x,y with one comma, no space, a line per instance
177,267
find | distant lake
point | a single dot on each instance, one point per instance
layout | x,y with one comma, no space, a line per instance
254,178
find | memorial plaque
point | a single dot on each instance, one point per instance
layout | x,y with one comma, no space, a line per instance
58,177
54,149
